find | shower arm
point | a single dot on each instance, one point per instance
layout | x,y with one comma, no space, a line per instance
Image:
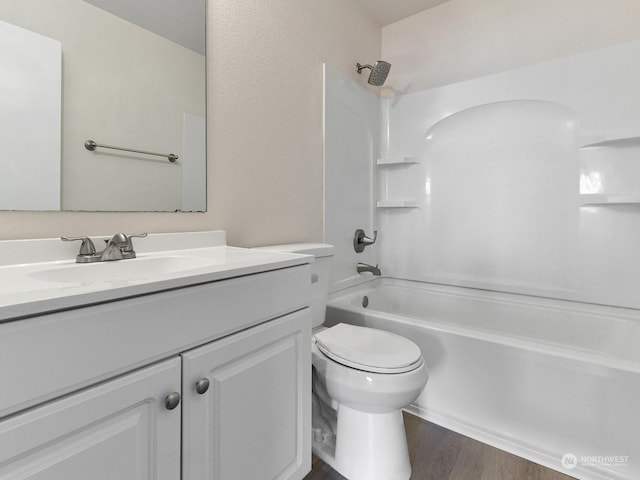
362,67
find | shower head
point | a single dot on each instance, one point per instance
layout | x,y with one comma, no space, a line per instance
379,72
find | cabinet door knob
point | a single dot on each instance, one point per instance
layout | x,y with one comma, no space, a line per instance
172,400
202,385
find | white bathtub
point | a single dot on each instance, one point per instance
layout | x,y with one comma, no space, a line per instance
543,379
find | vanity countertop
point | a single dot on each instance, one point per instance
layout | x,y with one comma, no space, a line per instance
40,276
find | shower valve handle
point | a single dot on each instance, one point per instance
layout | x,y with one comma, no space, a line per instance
360,240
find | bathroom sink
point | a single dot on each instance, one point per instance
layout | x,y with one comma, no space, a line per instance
40,275
121,271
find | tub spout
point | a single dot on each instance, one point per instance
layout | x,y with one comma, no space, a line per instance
364,267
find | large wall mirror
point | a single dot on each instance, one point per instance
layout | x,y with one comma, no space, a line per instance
121,73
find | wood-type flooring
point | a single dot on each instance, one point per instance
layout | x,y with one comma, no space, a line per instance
440,454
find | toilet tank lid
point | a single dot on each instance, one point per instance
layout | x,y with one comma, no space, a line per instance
316,249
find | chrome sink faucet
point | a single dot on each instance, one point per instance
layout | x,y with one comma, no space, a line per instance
118,247
364,267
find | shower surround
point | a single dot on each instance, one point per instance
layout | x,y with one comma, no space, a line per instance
525,182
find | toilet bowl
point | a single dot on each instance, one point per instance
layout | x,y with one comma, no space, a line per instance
362,379
369,376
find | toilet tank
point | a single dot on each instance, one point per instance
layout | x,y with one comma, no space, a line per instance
320,273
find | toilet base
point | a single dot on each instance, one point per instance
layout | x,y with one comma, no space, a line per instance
368,446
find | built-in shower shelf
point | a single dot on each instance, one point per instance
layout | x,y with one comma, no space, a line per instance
398,204
610,141
396,161
607,199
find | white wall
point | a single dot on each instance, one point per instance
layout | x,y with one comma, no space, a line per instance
266,179
264,96
463,39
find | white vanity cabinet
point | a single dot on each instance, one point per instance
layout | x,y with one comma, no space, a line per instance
119,429
83,392
252,422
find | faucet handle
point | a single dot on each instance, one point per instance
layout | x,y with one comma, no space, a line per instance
87,247
124,243
360,240
127,240
120,247
138,235
123,240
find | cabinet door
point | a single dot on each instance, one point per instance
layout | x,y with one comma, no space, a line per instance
116,430
254,421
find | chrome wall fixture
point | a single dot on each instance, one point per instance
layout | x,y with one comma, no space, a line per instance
91,145
379,72
360,240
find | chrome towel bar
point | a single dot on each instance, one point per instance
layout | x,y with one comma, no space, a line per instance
91,145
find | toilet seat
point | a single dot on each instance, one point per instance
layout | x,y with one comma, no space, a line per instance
369,349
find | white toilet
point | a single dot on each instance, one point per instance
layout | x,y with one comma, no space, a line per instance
362,378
